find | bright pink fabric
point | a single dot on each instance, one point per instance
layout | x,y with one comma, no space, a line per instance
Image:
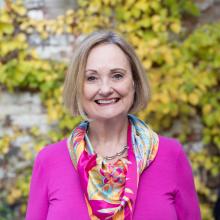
166,188
88,167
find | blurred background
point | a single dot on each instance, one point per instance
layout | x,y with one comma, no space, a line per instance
179,45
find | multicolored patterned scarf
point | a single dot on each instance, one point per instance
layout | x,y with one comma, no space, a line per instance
110,189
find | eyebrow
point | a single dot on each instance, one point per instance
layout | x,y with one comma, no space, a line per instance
111,70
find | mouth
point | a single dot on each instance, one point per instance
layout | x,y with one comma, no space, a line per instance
107,101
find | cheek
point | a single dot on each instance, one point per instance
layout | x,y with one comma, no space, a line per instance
88,92
127,91
132,92
132,95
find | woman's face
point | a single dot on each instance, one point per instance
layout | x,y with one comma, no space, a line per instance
108,89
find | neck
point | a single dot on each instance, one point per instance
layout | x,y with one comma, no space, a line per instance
108,136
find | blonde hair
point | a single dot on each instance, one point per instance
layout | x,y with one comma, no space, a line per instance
73,85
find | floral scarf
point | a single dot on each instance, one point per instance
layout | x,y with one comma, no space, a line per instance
110,189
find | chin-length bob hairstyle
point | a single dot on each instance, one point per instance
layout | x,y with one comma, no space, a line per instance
73,86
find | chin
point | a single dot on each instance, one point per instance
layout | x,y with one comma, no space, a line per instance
108,116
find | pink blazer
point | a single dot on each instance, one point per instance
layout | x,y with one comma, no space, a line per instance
166,189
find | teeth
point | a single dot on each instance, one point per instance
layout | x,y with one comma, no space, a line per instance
106,101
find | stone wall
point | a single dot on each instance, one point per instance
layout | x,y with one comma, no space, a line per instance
23,110
19,113
210,12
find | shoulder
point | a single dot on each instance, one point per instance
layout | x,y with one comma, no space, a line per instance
51,151
170,147
173,150
170,143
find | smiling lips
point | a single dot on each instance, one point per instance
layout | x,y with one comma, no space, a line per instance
106,101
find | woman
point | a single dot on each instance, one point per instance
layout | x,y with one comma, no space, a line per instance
113,166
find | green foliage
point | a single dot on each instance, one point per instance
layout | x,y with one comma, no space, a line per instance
184,76
182,7
21,69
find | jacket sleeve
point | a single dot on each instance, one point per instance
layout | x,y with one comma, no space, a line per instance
37,207
186,201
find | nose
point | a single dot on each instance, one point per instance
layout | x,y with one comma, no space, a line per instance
105,88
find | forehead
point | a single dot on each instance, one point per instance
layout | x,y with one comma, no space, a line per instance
107,55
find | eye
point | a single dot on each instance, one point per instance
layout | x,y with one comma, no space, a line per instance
91,78
118,76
